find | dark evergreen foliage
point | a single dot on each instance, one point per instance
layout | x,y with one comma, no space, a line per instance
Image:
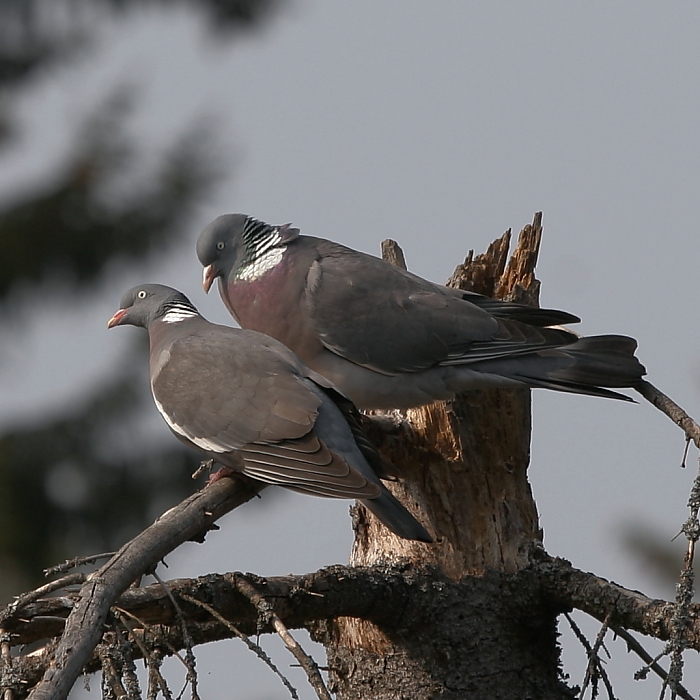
62,237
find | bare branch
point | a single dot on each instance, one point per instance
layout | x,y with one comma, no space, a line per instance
649,660
371,593
681,620
77,561
594,668
190,661
6,665
190,519
26,598
267,613
128,667
255,648
145,627
155,677
572,588
666,405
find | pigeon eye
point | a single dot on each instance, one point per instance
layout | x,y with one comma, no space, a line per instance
220,245
141,294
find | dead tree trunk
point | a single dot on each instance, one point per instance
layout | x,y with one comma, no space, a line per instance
482,628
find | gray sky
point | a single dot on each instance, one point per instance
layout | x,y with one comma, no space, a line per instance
439,125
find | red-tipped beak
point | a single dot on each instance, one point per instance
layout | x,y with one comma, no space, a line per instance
208,277
116,319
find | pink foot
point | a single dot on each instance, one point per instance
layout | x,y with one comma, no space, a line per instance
220,474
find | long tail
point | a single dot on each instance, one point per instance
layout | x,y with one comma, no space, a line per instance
396,517
592,365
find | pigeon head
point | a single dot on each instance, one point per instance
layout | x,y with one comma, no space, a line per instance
233,242
146,303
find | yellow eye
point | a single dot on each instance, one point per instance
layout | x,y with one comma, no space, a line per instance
142,294
220,245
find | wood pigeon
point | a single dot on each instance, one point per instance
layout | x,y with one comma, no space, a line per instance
390,339
247,402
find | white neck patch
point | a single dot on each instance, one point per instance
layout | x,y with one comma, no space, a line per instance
262,264
177,314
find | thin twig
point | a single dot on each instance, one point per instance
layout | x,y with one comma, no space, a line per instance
255,648
685,451
112,686
594,662
6,663
69,564
206,466
668,406
155,677
592,656
650,661
305,661
149,660
128,668
190,660
149,628
681,619
26,598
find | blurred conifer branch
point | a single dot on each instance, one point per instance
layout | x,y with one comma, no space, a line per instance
105,206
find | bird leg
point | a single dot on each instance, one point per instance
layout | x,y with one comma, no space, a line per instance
220,474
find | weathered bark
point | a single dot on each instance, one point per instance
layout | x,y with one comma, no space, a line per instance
464,466
380,595
84,626
373,593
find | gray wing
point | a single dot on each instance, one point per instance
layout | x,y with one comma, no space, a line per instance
238,398
384,318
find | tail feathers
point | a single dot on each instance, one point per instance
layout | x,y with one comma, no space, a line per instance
532,315
592,365
396,517
573,388
607,360
600,361
381,467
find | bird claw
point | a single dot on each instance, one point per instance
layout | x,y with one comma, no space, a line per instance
220,474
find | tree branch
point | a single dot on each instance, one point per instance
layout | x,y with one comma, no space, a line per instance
376,594
572,588
255,648
651,663
189,520
265,612
666,405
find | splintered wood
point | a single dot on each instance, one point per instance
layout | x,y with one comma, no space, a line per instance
464,462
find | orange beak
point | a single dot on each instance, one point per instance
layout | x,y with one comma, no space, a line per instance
116,319
208,277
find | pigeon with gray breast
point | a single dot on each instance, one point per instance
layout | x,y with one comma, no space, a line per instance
247,402
390,339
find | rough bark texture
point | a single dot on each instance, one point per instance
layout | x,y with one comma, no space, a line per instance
450,642
464,464
84,625
381,595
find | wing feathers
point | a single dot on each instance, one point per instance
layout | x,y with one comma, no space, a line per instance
306,463
258,416
319,473
428,325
